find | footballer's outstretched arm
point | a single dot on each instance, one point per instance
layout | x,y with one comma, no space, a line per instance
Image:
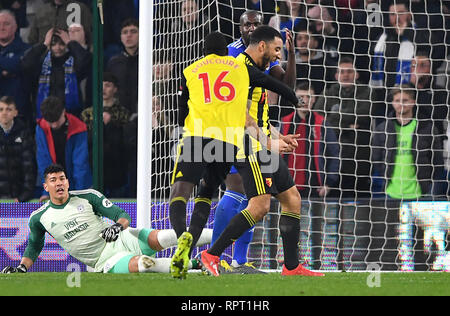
260,79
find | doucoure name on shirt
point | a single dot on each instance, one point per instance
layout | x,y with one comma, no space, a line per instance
211,61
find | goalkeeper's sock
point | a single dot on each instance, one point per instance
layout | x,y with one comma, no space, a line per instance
289,226
241,247
177,215
229,205
168,238
237,226
199,218
242,244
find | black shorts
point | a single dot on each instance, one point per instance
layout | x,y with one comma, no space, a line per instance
199,157
282,177
264,173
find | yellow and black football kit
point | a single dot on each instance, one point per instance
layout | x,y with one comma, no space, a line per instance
212,108
259,108
280,179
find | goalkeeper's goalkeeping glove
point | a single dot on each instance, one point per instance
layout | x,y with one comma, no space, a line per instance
21,268
111,233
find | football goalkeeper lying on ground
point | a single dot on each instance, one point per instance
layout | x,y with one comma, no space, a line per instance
74,219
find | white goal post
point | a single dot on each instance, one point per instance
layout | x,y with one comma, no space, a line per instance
375,213
145,113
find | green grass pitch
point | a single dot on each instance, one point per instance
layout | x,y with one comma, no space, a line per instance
196,284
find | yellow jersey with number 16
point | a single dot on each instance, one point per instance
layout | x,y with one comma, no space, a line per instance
218,91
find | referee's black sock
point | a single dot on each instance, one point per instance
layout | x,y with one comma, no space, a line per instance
289,226
238,225
177,215
200,215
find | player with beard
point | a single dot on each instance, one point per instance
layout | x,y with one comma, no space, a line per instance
213,110
234,200
266,143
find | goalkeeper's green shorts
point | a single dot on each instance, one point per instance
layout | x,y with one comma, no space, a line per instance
131,242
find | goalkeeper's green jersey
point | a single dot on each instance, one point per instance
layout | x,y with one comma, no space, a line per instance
75,225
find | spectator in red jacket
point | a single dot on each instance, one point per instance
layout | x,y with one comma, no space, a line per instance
63,138
315,162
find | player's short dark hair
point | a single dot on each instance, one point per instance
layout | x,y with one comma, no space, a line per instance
248,13
52,108
264,33
53,168
215,43
8,100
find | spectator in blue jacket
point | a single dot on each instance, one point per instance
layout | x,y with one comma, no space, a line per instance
12,48
57,67
62,138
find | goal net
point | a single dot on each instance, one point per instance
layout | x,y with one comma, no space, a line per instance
372,160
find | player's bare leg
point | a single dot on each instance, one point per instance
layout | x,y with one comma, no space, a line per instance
259,206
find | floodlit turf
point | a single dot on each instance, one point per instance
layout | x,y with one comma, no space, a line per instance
273,284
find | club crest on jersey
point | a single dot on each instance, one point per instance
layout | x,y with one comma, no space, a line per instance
80,208
107,203
269,182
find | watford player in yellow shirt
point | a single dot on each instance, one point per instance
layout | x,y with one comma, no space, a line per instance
265,45
213,111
